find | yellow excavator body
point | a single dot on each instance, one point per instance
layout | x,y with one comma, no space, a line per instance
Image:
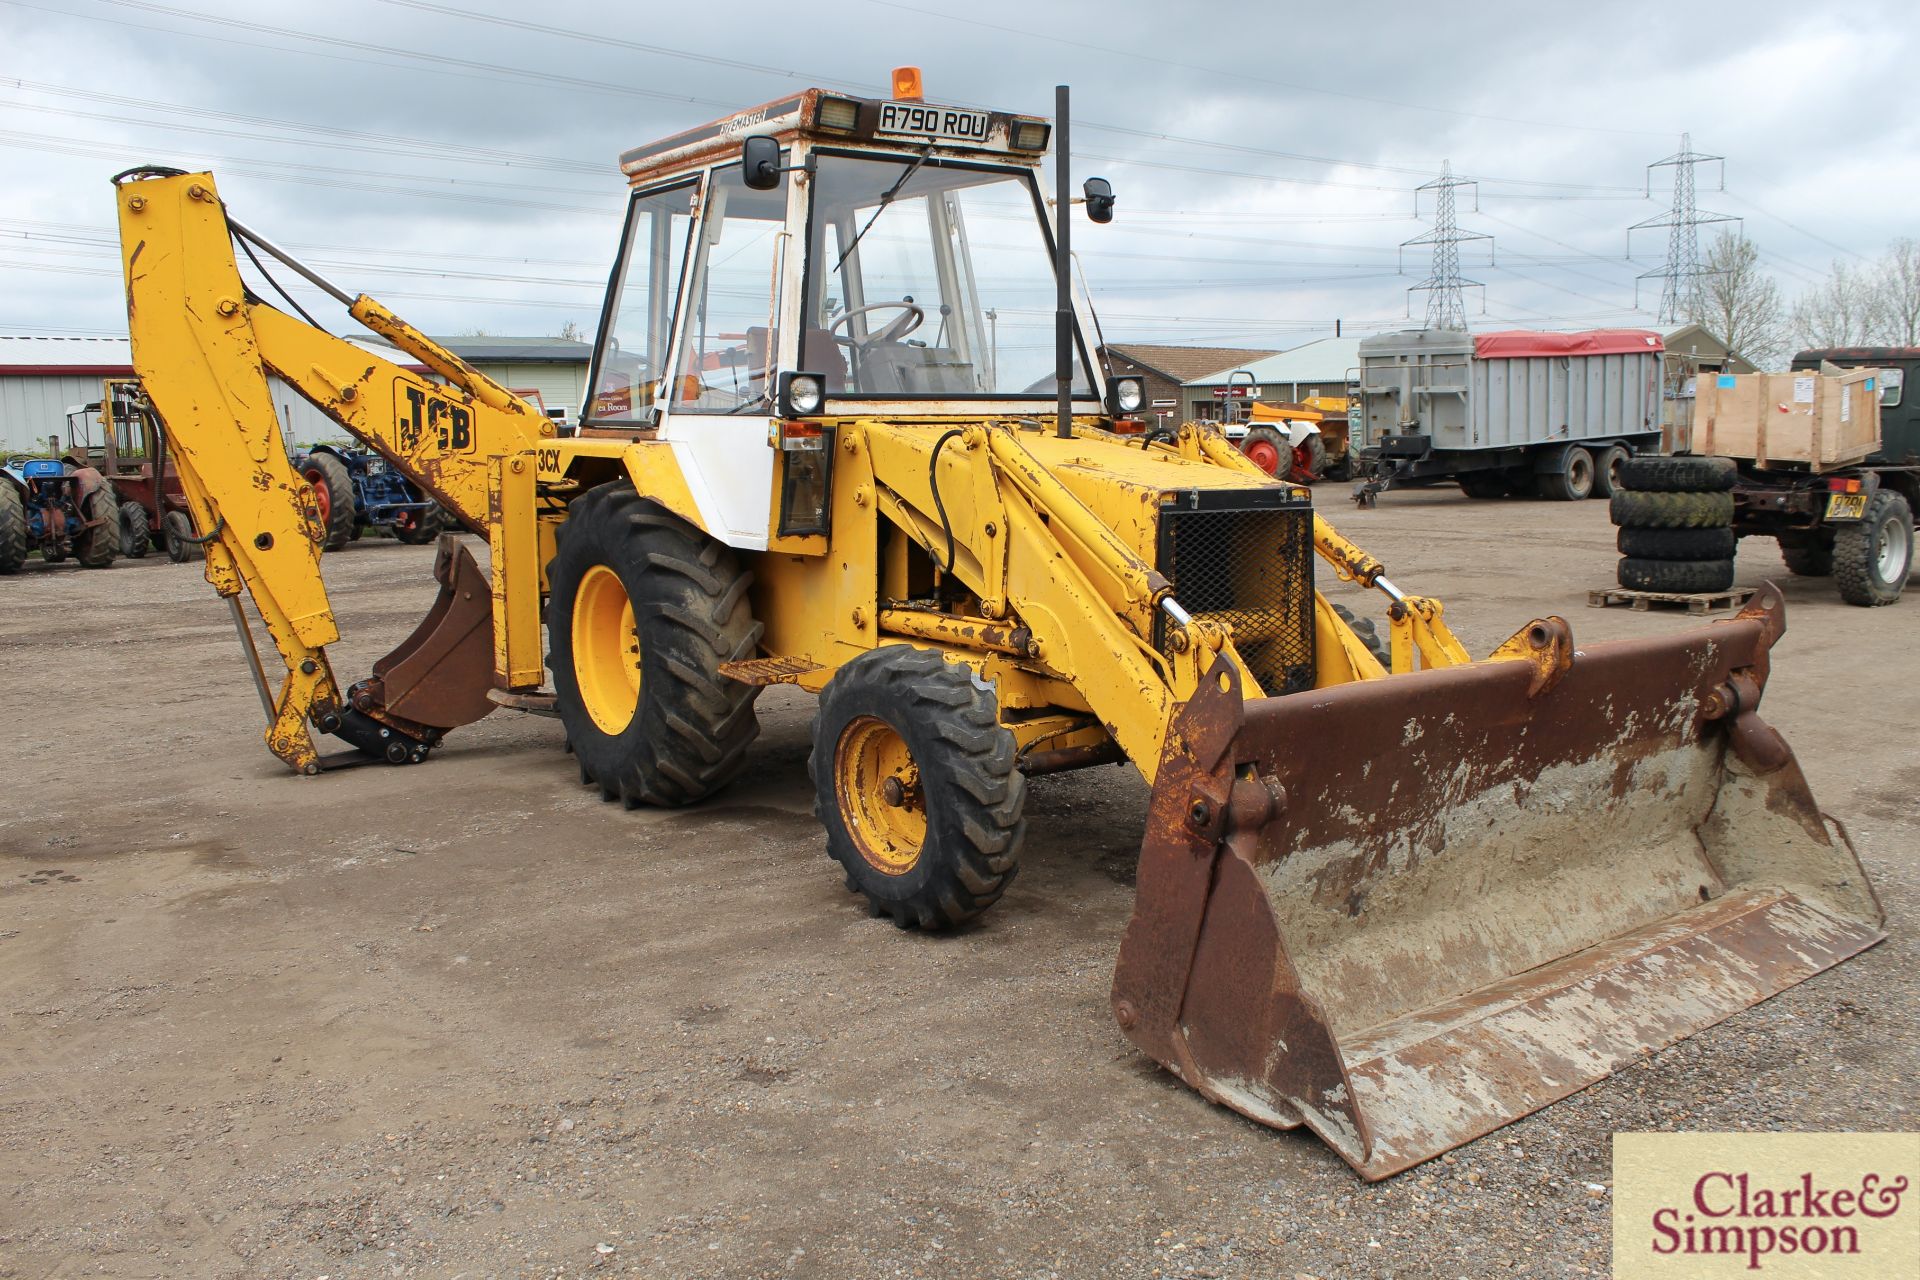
1386,891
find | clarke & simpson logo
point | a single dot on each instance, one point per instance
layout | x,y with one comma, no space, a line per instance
1788,1205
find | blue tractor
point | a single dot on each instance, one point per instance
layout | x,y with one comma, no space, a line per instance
59,510
355,489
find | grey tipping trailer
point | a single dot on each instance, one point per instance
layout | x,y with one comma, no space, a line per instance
1520,412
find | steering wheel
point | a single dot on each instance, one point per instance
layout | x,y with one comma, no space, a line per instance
908,320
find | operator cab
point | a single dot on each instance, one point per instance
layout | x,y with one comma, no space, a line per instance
822,256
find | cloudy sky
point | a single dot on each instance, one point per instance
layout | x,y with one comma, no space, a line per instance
457,159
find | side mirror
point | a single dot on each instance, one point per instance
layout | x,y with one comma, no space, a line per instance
760,163
1099,193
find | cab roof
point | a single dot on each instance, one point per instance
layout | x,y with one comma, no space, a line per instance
821,115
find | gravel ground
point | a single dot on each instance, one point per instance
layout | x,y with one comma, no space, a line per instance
466,1020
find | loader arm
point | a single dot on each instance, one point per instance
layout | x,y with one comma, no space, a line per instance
204,346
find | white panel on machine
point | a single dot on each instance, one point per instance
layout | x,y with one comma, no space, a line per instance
729,470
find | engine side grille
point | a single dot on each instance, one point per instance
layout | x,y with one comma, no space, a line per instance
1245,558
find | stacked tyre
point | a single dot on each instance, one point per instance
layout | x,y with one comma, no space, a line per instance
1675,517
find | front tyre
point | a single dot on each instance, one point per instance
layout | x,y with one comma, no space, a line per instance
916,783
644,610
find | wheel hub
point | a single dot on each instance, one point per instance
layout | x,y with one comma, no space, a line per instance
606,650
877,784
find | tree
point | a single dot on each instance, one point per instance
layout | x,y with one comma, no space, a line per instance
1894,312
571,332
1740,303
1835,313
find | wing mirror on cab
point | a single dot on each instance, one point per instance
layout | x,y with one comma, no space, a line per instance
1099,193
760,163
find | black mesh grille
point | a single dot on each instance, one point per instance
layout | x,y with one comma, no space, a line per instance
1251,567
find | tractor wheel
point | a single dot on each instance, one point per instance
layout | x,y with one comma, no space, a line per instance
1677,544
1657,474
1807,555
99,544
1484,484
136,539
916,783
13,528
1871,559
333,496
415,529
1267,447
1680,577
645,608
1369,635
1309,460
1607,466
1572,480
177,531
1638,509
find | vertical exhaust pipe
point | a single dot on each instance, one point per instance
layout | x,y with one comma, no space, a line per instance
1062,283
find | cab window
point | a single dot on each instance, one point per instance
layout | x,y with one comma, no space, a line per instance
632,355
731,325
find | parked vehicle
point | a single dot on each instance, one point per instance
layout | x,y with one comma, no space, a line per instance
1852,523
59,510
122,437
355,489
1552,415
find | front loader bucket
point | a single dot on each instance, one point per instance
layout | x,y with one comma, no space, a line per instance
1407,911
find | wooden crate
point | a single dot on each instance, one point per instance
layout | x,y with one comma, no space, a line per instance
1820,421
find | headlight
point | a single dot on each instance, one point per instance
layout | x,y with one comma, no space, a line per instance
839,114
802,394
1030,135
1126,396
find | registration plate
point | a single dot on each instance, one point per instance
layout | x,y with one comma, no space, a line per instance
933,124
1846,506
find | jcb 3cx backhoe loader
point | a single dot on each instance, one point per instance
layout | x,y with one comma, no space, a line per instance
834,440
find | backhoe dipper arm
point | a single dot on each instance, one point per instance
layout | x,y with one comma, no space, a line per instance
203,348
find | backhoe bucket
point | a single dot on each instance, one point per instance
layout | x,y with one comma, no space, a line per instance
1407,911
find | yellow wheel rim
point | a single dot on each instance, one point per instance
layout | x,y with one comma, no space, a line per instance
878,786
606,650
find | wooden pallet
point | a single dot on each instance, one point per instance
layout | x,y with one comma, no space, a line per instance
1696,602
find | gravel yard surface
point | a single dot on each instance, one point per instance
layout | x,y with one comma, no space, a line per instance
465,1019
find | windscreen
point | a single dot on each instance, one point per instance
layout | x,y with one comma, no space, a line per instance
929,280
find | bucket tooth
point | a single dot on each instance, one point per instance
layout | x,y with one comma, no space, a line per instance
1434,903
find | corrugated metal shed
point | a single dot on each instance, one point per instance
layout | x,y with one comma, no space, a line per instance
43,377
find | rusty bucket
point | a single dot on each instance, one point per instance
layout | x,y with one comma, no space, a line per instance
1405,912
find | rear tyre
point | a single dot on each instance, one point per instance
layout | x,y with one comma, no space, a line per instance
1607,467
1309,460
1677,544
333,496
645,608
1682,577
99,544
1871,559
1484,484
1267,447
13,528
136,539
1572,480
1807,555
415,529
1634,509
1369,635
916,784
178,532
1656,474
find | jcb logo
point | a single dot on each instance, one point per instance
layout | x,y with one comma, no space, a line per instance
436,420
